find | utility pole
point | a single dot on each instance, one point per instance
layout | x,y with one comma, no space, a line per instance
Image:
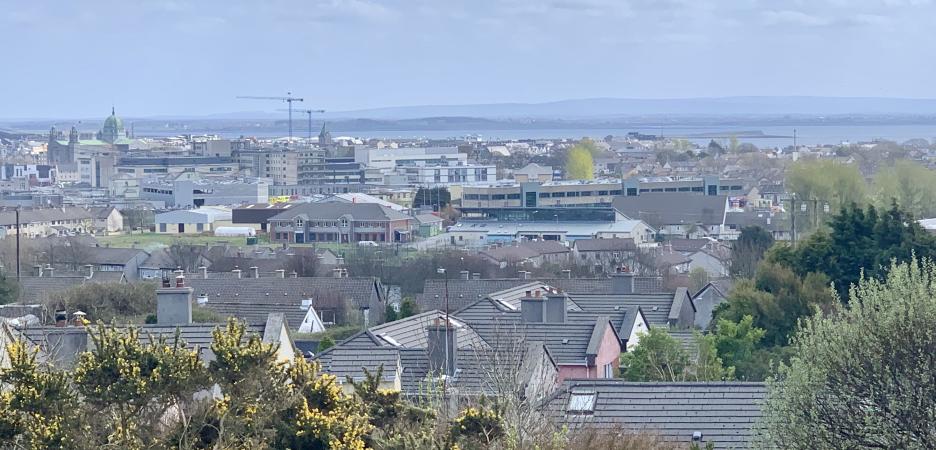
17,244
793,218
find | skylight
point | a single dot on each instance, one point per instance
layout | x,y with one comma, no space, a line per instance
581,402
390,340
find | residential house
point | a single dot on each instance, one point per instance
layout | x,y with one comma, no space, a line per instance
42,222
607,253
723,414
429,225
106,219
527,254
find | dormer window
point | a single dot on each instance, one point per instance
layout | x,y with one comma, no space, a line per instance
298,222
344,221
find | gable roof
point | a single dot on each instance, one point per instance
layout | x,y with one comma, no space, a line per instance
724,413
604,245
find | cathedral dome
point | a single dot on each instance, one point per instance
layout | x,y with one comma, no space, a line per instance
113,123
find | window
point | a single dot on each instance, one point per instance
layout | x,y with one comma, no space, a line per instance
498,197
298,222
162,228
616,192
581,402
628,192
199,227
558,194
544,195
608,371
344,221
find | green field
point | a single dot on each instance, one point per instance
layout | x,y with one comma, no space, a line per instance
151,241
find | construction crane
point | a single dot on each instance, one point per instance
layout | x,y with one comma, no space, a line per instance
289,99
309,113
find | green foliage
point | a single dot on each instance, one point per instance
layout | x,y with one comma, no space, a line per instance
37,407
828,181
390,313
660,357
408,308
9,290
201,314
776,299
911,186
861,240
395,421
863,376
579,163
477,427
736,343
108,302
326,343
748,250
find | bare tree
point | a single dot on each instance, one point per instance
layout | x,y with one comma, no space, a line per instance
186,256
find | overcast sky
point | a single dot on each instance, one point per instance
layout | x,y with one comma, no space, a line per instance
69,58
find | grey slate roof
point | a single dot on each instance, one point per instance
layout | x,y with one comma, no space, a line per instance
360,291
258,312
411,331
674,208
40,289
109,255
465,292
604,245
655,307
725,413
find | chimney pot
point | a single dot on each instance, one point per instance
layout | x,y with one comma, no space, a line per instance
204,272
281,273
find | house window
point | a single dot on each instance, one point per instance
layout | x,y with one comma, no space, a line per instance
162,228
608,371
581,402
298,222
344,222
327,316
200,227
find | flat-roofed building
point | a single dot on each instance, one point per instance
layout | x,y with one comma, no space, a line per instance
537,194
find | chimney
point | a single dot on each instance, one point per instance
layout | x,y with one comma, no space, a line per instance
204,272
254,272
567,274
281,273
464,274
622,281
554,310
50,270
294,274
90,268
442,348
476,276
523,274
174,304
61,318
78,318
201,299
336,272
38,270
531,309
237,273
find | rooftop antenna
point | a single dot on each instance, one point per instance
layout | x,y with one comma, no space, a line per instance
289,99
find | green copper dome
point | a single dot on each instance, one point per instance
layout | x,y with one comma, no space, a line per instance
113,129
113,122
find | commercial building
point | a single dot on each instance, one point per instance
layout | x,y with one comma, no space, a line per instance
191,191
340,222
202,220
539,194
706,185
142,167
493,225
390,158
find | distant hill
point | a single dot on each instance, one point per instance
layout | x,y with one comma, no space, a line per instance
617,107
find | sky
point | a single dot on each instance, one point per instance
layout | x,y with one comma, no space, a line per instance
77,58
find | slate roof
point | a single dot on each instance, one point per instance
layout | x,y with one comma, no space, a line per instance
40,289
334,210
674,208
725,413
258,312
524,251
42,215
109,255
604,245
655,307
360,291
411,331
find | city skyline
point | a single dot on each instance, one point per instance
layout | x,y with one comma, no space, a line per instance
182,57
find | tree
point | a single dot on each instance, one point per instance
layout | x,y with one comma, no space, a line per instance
9,290
776,299
660,357
698,278
863,376
736,343
748,250
186,256
827,181
579,164
390,313
861,240
911,186
408,308
326,343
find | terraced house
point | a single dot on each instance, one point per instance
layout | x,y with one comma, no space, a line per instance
340,222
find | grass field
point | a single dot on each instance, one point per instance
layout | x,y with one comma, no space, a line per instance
150,241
